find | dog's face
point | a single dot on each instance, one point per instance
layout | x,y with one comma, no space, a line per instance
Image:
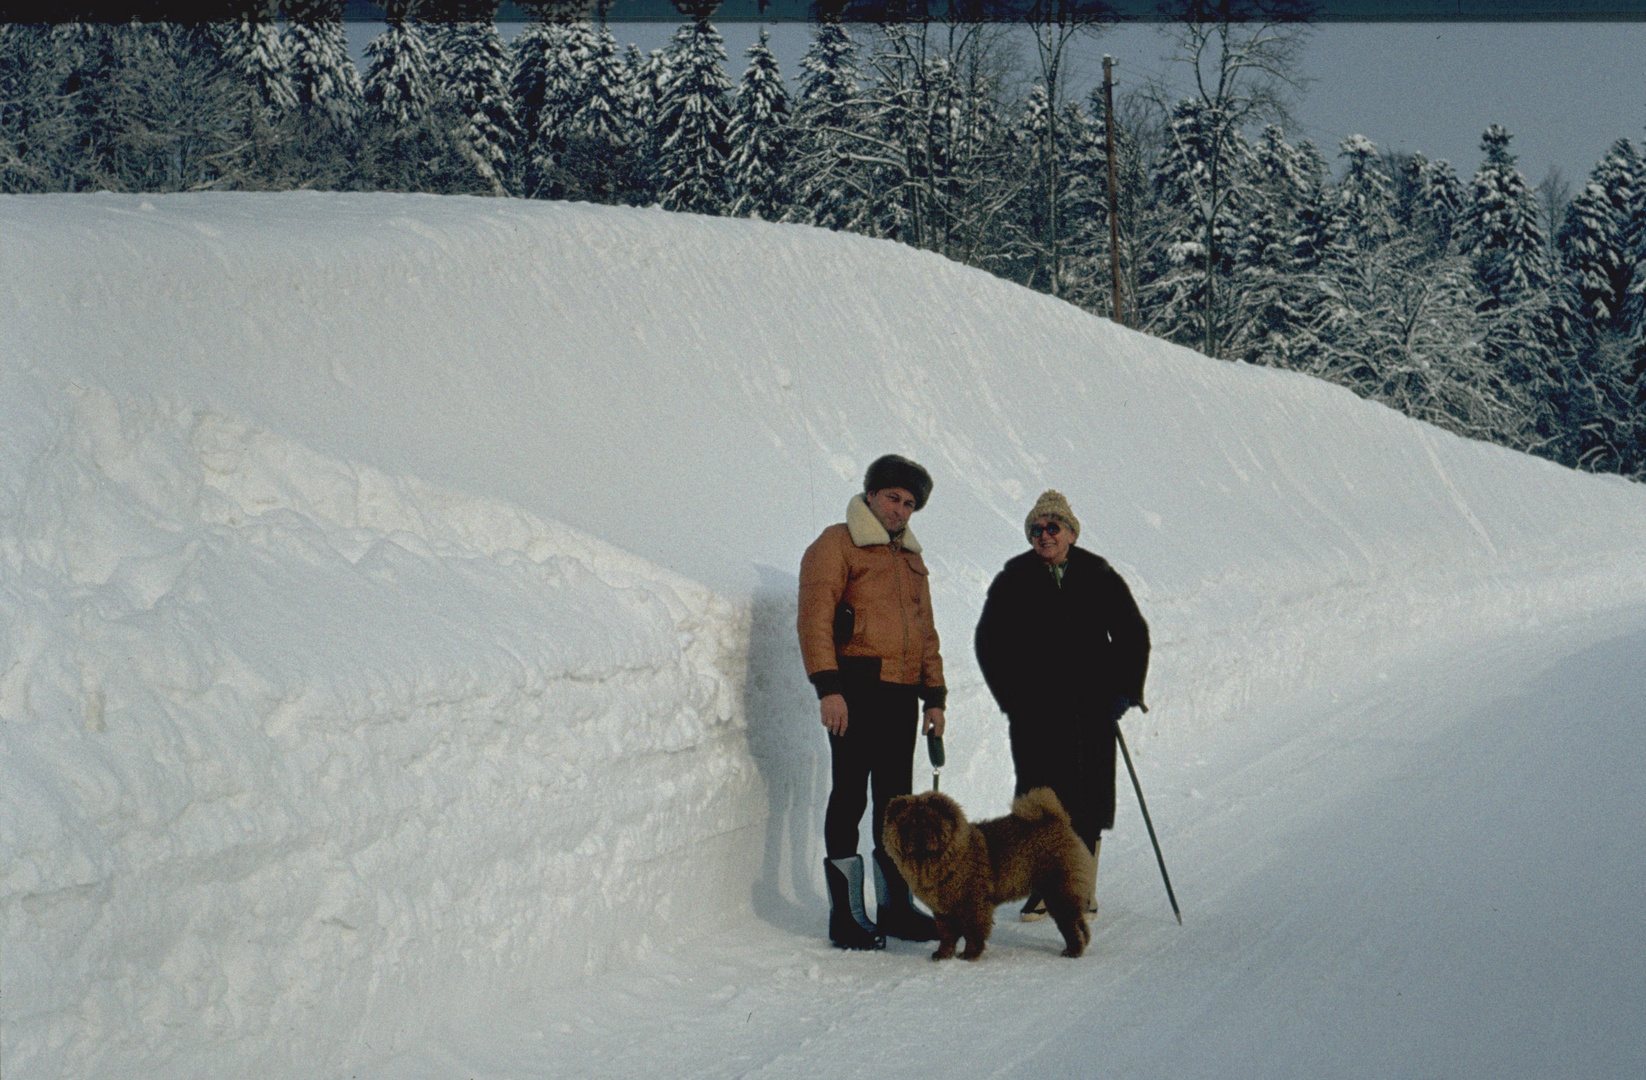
923,826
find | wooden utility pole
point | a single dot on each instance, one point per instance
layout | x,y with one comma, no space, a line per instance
1114,215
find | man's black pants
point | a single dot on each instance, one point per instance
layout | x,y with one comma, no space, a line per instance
877,751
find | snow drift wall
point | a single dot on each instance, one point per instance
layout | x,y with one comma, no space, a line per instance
396,593
297,750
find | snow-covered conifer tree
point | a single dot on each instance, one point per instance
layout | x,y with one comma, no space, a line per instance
646,75
1269,321
324,78
692,116
1284,179
827,188
1523,316
1027,244
1599,243
1594,238
1201,193
1086,278
600,154
538,80
759,137
262,98
408,126
1437,202
1500,228
1363,210
473,65
399,86
258,49
322,132
603,114
1314,209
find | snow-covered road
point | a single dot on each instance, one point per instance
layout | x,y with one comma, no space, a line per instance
1436,873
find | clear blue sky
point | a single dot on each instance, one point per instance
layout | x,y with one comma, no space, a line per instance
1566,91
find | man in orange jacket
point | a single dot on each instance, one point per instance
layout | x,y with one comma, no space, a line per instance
871,650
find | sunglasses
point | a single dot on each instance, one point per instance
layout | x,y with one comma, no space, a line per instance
1051,528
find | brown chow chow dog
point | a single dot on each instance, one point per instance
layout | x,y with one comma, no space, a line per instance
961,871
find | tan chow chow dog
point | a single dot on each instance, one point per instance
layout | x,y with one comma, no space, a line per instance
961,871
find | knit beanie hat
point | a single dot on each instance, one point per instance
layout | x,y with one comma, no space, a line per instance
894,471
1052,504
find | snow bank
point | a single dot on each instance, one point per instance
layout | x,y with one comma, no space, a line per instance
396,593
289,739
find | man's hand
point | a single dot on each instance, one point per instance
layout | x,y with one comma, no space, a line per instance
933,723
833,708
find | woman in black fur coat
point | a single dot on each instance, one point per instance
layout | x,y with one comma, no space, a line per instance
1065,652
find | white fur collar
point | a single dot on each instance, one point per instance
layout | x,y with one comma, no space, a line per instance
867,531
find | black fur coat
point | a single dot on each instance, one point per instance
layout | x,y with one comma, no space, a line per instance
1079,645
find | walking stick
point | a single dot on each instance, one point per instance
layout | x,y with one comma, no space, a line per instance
1161,859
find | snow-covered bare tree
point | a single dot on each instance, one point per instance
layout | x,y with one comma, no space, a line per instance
35,118
1054,25
1400,328
122,107
910,150
1241,58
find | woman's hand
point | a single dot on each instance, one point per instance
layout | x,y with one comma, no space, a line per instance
933,723
833,708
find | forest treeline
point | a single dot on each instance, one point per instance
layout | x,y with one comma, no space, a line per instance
1499,310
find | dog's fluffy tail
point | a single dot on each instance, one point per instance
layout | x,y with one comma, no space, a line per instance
1038,803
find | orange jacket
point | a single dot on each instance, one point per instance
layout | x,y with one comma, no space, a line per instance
885,582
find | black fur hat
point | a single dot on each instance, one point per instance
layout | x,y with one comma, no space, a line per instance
895,471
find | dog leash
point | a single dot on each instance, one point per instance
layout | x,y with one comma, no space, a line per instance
934,751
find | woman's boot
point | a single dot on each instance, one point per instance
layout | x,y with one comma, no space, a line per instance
849,925
896,914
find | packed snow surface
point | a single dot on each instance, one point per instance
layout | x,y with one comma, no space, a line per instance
398,676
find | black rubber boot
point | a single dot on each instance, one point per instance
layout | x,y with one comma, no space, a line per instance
849,925
896,914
